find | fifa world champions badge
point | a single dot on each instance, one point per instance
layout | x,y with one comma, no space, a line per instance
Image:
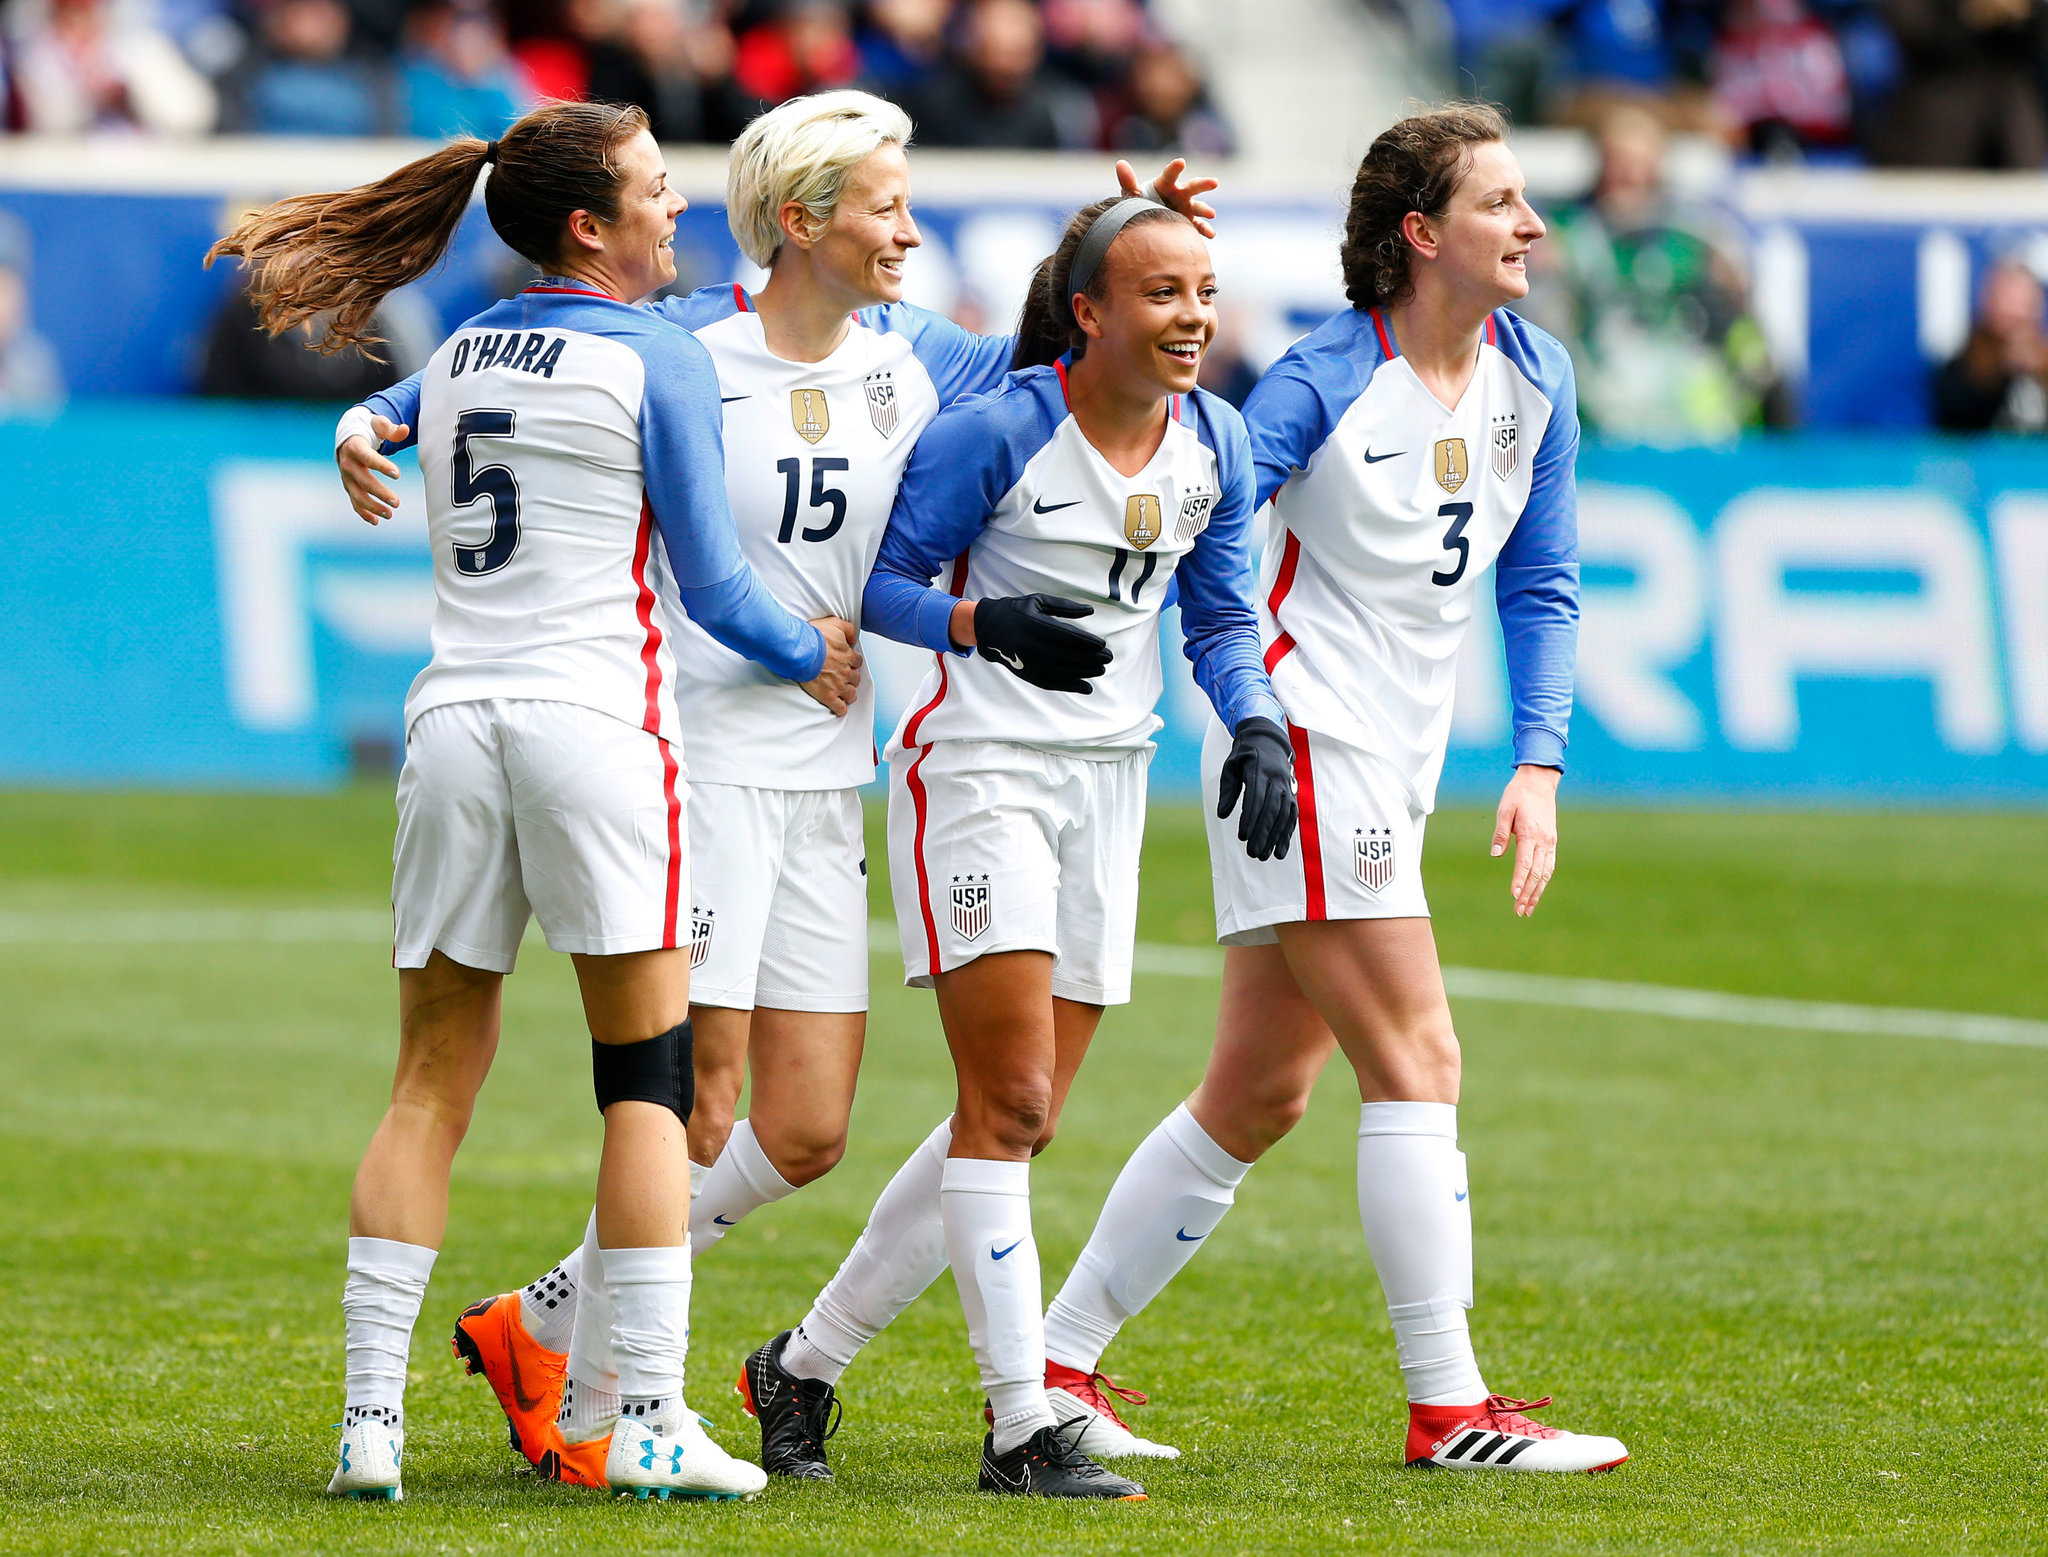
882,407
1451,465
702,922
1143,519
809,414
1372,854
971,899
1507,445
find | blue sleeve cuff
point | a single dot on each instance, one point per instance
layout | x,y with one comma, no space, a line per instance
1537,747
935,622
1262,705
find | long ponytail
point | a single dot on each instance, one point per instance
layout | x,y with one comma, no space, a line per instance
341,254
1046,327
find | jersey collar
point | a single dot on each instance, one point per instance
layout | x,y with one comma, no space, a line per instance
571,285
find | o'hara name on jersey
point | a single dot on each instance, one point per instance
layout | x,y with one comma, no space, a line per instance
526,351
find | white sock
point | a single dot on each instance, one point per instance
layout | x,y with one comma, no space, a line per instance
547,1307
650,1297
1167,1200
987,1210
901,1251
1413,1203
742,1180
380,1302
590,1395
588,1410
697,1172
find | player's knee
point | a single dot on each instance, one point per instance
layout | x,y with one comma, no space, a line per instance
1018,1110
805,1158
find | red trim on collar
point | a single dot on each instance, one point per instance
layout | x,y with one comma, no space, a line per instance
739,298
1489,329
1061,369
583,290
1386,339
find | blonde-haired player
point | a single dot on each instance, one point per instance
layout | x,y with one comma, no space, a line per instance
828,379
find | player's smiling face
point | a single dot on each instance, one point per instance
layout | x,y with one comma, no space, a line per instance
1157,314
1488,228
862,248
638,249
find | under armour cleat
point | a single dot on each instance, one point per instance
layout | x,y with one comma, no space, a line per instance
797,1416
371,1453
1495,1435
647,1462
492,1341
1045,1465
1089,1420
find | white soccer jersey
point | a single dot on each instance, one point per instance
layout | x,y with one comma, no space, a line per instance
1387,508
1006,497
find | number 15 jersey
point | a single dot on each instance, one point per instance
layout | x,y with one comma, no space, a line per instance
1387,507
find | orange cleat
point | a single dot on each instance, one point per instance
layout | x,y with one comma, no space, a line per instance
492,1342
576,1464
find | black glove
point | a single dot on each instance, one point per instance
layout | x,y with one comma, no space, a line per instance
1261,768
1026,633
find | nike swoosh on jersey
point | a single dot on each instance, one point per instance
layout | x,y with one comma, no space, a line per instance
1461,1194
995,1254
729,399
1043,507
1373,459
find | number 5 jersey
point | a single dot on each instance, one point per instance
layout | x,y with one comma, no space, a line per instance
1387,509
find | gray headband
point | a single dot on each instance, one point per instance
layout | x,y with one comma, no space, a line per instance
1101,234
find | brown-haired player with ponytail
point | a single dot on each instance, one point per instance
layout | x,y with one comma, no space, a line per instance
559,432
1405,446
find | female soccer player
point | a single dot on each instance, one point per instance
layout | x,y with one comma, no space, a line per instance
1406,445
1081,489
827,380
558,431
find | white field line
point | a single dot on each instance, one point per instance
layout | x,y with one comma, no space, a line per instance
351,926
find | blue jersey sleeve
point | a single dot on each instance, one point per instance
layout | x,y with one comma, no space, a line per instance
1214,581
1287,417
959,361
683,456
401,404
1536,580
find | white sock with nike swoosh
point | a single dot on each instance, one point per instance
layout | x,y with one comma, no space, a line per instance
741,1180
1417,1214
1170,1196
986,1206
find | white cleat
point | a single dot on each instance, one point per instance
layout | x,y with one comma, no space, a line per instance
368,1469
1088,1420
1495,1435
647,1462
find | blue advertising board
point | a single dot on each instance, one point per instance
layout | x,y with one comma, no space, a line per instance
188,600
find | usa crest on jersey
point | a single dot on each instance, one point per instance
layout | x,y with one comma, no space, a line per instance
1372,854
971,898
1507,445
702,923
1194,515
882,408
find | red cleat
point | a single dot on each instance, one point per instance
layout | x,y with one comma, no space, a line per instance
1495,1435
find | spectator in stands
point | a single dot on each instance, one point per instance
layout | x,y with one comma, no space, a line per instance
1226,370
804,46
1168,108
459,77
301,79
902,43
1093,42
1999,380
30,379
1650,296
1780,79
995,94
81,66
1971,92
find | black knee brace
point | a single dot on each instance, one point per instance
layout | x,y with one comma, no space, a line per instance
654,1070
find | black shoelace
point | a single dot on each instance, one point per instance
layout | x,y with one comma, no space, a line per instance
820,1415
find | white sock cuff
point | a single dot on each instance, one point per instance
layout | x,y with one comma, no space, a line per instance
697,1172
752,1164
1409,1119
940,1141
1200,1148
385,1258
983,1176
646,1267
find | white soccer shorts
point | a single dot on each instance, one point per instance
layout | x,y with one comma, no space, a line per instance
778,898
1356,855
998,847
511,806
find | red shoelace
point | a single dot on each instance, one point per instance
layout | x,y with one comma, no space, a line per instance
1090,1395
1504,1415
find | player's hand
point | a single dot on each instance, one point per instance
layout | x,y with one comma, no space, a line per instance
838,681
1033,636
1528,814
1185,198
1261,768
361,465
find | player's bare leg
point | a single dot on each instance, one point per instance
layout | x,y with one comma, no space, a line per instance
722,1036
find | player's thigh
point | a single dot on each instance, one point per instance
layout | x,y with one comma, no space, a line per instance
1101,845
1271,1046
1074,1025
998,1015
1378,984
456,884
738,851
814,947
973,854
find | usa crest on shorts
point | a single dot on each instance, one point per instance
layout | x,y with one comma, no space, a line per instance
882,407
1372,854
702,923
1507,445
971,898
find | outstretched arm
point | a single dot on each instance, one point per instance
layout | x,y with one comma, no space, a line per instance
365,438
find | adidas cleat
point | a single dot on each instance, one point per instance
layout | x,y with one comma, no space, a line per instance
797,1416
1495,1435
1089,1420
368,1470
646,1462
491,1339
1045,1465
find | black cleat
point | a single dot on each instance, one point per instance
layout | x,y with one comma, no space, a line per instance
796,1415
1045,1465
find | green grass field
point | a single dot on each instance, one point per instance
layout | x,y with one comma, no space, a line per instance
1802,1275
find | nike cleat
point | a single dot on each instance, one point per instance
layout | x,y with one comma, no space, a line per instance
1045,1465
1495,1435
797,1416
368,1469
645,1462
491,1339
1089,1420
578,1458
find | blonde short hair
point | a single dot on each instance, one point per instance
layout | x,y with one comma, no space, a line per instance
802,151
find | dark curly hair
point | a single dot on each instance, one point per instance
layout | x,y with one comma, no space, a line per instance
1413,166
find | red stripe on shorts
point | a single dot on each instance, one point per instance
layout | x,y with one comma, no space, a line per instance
1290,559
673,901
917,791
650,656
1311,837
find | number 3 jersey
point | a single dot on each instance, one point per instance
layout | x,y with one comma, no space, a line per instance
1004,496
1386,510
